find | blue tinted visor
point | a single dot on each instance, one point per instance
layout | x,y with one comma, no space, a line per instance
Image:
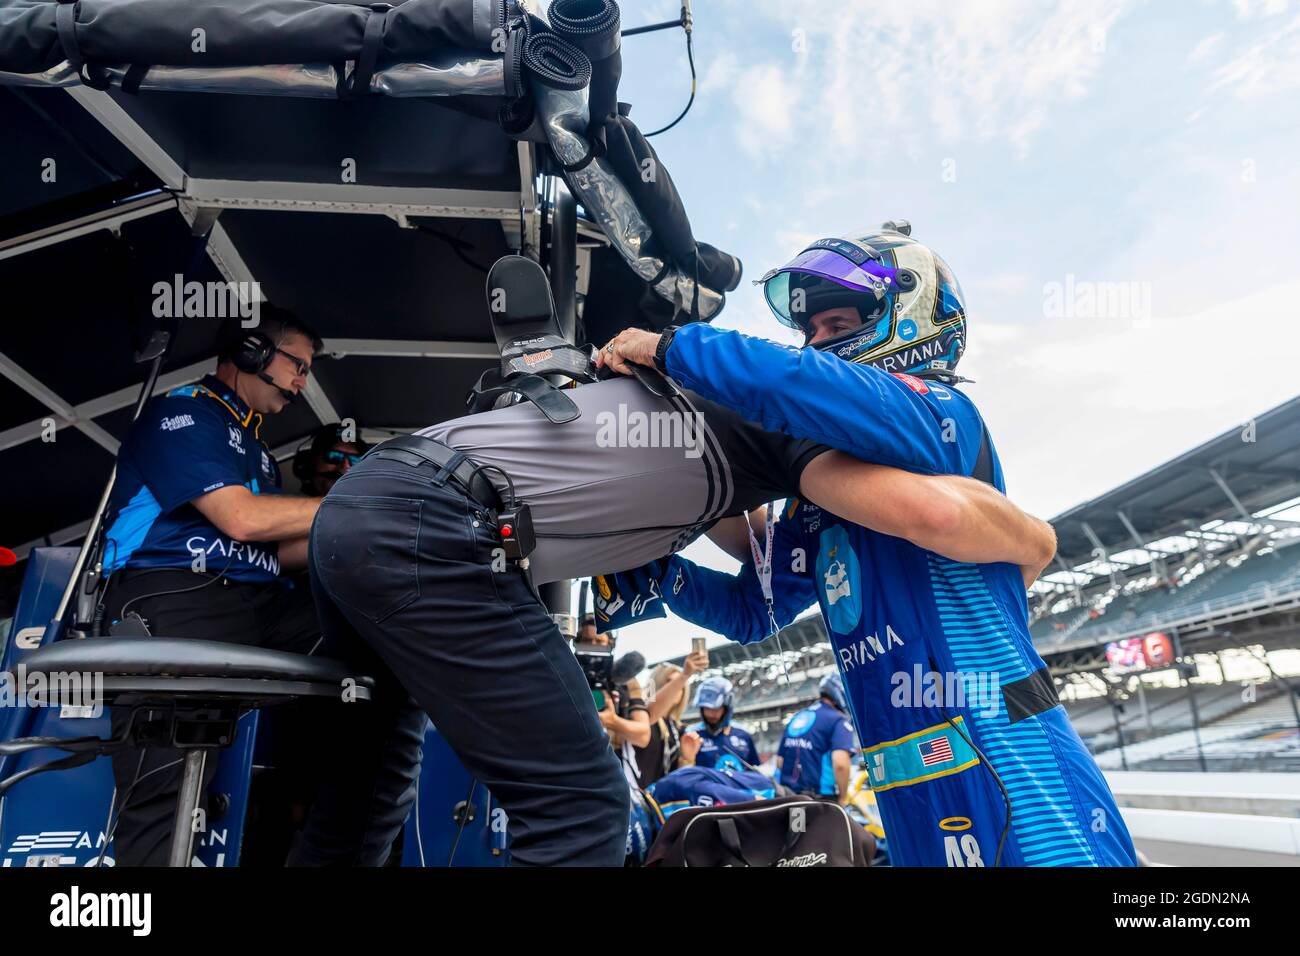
869,275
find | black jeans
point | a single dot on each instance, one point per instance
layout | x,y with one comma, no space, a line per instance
404,559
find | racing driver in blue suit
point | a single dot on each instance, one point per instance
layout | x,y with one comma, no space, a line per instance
971,756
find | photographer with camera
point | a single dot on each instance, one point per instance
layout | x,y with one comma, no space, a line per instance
619,701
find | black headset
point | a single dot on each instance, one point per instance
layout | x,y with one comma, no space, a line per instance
254,352
251,351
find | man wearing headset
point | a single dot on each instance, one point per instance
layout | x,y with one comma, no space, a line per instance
199,538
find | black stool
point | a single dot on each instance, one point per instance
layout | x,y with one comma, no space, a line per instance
196,691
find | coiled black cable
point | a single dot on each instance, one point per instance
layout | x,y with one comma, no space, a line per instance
556,63
593,26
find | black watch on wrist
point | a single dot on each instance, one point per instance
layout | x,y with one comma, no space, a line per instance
661,352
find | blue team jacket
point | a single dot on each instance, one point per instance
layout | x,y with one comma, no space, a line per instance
948,694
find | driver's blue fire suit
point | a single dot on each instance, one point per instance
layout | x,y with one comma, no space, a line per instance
950,699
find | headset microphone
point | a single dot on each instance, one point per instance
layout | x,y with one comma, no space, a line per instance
288,395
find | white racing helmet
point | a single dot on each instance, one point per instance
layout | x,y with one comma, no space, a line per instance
912,308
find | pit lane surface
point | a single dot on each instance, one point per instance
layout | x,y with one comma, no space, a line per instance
1161,853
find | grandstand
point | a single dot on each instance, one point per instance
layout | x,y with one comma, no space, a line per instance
1204,548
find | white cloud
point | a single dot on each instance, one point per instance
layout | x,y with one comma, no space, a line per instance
1205,47
1266,68
1076,407
719,74
766,103
991,69
1254,9
892,75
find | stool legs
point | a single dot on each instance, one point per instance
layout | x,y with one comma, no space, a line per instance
187,802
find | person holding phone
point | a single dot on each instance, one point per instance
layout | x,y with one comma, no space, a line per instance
667,702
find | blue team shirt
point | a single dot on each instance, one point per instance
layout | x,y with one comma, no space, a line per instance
193,440
811,736
722,748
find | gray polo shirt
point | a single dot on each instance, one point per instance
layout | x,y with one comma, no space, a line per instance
634,478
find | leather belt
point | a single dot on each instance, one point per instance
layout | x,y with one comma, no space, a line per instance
417,451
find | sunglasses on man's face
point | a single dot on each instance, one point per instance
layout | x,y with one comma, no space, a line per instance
334,456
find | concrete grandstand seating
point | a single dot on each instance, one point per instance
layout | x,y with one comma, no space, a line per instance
1271,709
753,697
1168,710
1090,716
1225,718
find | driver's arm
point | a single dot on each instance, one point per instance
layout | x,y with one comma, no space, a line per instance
960,518
859,409
956,517
730,535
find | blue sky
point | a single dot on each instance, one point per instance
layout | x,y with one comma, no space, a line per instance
1036,146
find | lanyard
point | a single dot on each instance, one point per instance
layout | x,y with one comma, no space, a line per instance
763,566
252,456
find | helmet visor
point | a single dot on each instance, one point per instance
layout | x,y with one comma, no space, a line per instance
870,276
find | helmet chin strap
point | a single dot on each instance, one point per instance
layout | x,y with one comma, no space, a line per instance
942,375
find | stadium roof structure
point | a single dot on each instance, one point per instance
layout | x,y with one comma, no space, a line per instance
1231,477
1201,546
796,642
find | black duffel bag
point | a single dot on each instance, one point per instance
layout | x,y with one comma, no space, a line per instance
788,831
